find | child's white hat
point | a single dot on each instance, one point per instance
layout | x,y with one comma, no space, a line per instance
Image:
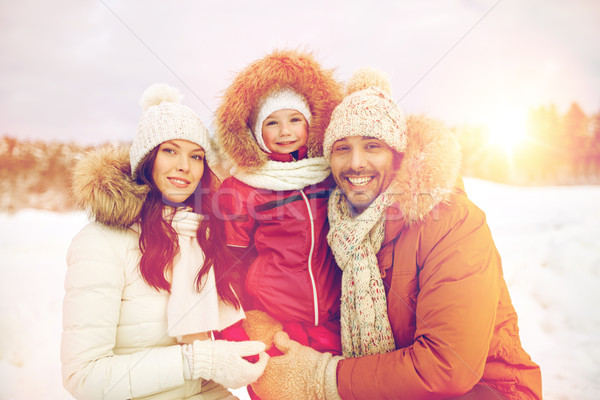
285,99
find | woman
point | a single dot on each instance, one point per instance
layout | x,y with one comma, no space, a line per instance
148,281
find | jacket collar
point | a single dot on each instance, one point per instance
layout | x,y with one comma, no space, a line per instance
429,171
394,224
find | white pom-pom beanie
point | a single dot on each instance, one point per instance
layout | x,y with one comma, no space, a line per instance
368,112
165,119
285,99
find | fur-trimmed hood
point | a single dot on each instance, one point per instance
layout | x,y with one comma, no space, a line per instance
430,169
280,69
102,186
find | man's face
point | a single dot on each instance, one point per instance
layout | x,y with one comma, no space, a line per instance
363,168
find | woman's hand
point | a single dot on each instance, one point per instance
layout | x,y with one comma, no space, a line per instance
222,361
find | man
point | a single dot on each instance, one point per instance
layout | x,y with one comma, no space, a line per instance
425,309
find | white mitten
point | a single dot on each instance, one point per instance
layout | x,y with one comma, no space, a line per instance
222,361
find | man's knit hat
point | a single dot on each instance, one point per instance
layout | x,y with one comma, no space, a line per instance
285,99
165,119
367,111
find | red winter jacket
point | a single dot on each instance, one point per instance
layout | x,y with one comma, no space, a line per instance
294,276
291,272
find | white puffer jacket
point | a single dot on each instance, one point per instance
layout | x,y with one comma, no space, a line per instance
115,343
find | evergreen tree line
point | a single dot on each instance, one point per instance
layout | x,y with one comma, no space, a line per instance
558,150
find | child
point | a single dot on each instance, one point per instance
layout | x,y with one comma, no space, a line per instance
270,126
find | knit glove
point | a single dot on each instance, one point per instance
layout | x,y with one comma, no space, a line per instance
222,361
300,373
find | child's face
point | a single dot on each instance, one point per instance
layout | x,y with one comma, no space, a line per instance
285,131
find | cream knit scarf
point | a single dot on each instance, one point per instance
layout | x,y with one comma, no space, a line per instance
294,175
355,242
189,311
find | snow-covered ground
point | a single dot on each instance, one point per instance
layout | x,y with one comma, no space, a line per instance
549,239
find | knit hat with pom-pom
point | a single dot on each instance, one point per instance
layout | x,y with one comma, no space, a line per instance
165,119
367,110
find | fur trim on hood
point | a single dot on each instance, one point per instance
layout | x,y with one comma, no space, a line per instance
102,186
430,169
282,68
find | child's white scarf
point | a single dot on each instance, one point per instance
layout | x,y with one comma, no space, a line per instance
293,175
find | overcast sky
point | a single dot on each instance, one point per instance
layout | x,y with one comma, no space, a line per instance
74,70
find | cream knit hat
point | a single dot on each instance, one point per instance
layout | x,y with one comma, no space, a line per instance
285,99
367,112
165,119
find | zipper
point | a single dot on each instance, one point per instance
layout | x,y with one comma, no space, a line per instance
310,254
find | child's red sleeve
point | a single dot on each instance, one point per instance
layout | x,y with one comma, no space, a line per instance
233,210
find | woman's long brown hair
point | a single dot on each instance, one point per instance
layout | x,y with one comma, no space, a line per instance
159,242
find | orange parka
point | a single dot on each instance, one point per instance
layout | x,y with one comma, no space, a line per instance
448,305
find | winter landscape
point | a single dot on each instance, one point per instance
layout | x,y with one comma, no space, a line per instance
549,238
517,81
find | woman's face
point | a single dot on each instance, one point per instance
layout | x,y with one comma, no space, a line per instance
178,168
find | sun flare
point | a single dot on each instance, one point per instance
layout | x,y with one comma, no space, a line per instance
507,130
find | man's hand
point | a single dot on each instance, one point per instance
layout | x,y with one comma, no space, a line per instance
300,373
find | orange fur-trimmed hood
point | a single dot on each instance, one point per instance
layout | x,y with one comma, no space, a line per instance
430,168
282,68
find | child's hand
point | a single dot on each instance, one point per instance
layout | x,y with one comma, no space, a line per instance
261,326
236,333
258,326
